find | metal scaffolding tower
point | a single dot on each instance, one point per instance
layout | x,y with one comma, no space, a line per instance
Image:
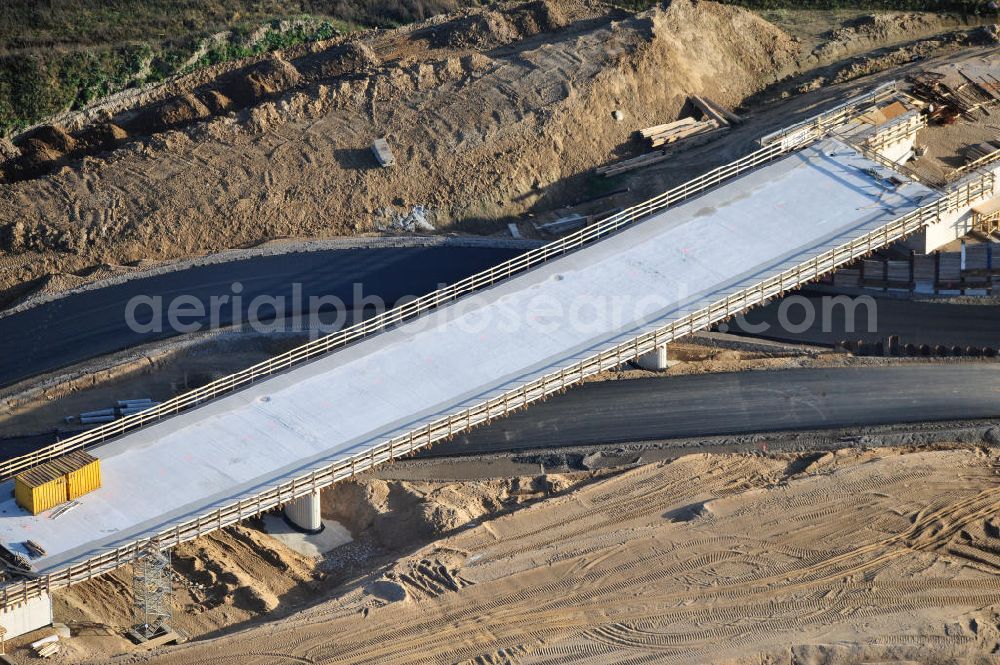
153,591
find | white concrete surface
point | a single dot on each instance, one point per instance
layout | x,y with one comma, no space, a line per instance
899,152
948,230
688,256
333,535
953,226
29,616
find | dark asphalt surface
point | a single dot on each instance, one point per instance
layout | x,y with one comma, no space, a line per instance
739,403
718,404
93,323
916,323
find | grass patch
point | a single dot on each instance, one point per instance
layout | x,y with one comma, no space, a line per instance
59,55
972,7
36,84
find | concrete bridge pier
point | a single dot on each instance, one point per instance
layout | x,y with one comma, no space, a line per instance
655,360
304,513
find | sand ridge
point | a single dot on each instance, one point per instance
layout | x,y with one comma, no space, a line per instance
833,558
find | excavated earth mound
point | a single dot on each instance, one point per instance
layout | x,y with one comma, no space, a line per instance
836,558
487,120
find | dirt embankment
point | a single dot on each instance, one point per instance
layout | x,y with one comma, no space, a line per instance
492,113
872,43
241,574
840,557
219,580
879,30
395,514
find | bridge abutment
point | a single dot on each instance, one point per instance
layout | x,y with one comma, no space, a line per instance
304,513
30,615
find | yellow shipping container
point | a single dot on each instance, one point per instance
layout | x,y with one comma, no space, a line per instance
85,479
36,490
57,481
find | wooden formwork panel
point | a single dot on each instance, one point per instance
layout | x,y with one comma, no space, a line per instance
949,267
898,271
977,256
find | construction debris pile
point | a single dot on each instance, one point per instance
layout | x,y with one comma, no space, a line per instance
46,647
957,89
415,221
678,135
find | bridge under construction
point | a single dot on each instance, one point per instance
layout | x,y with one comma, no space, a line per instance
806,202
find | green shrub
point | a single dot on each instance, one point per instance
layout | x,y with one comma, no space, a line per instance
36,84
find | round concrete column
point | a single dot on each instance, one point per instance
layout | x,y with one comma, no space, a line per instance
304,514
655,360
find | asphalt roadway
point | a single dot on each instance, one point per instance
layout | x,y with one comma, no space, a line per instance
92,323
662,408
871,318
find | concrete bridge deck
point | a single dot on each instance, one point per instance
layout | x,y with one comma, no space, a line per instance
677,261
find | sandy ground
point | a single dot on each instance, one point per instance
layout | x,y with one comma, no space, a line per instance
947,144
488,113
240,576
879,555
857,555
493,114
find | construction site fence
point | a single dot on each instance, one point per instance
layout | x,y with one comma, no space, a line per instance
896,130
835,116
515,398
984,162
872,153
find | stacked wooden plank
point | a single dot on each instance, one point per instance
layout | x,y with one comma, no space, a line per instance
633,163
715,111
46,647
714,117
674,136
669,132
957,89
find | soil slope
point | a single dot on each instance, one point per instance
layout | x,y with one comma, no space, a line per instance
491,113
828,558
